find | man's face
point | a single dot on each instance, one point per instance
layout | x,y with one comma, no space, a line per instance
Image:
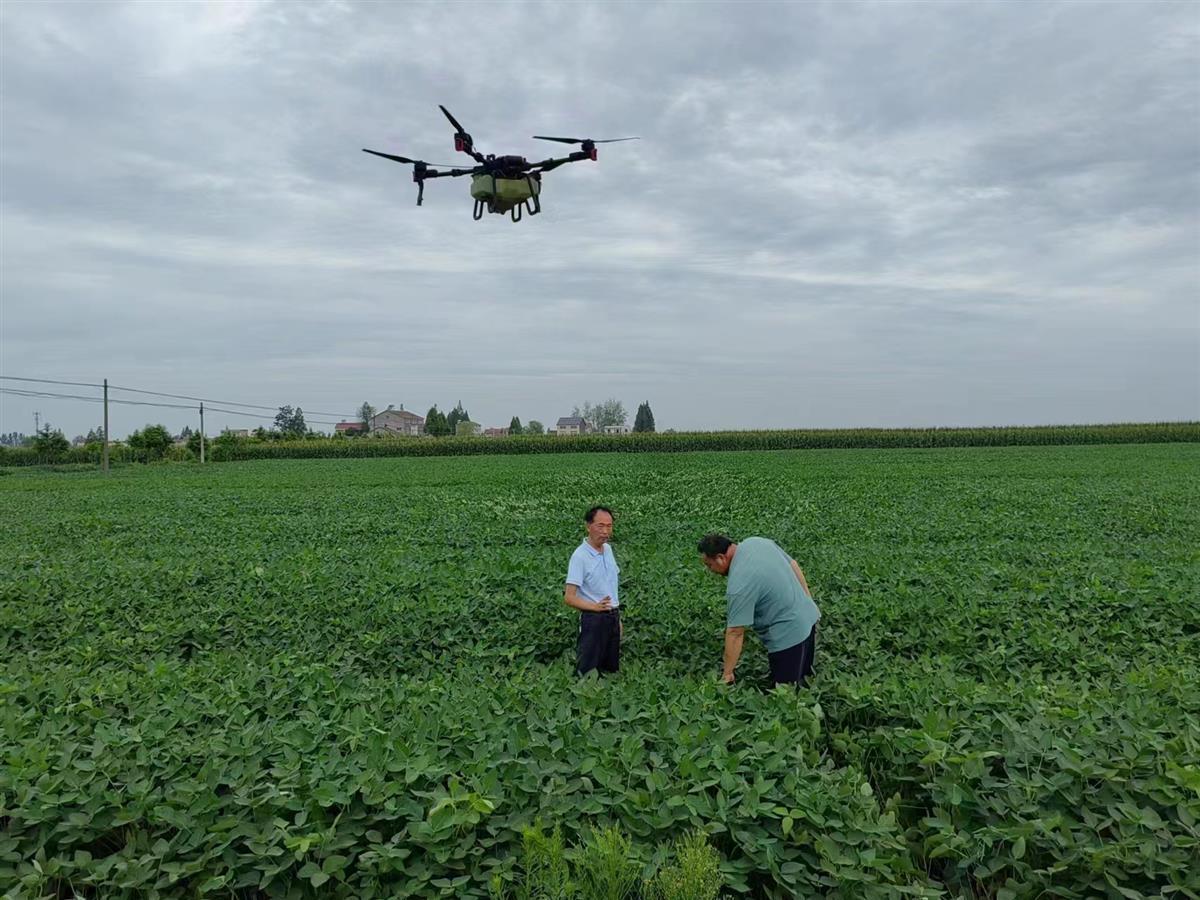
600,529
718,563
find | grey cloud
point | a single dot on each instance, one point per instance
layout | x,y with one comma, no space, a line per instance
838,214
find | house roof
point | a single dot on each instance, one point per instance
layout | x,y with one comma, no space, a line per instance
348,426
399,414
568,421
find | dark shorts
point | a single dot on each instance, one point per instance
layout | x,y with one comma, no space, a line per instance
599,642
794,664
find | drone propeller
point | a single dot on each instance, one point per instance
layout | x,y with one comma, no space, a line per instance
399,159
407,161
453,121
540,137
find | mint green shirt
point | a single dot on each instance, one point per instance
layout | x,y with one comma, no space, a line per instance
763,591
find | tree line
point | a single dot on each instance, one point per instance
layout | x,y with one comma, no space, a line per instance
155,440
458,421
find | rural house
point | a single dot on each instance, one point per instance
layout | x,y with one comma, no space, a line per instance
397,421
572,425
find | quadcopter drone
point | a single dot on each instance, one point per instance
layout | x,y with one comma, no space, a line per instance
499,184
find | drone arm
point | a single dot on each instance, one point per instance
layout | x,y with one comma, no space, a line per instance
449,173
547,165
420,176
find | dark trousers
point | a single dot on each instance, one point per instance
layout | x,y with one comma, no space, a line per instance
599,642
794,664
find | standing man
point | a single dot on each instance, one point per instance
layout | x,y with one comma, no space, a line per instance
766,589
592,589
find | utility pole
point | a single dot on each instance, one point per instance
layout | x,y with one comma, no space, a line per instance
202,433
104,457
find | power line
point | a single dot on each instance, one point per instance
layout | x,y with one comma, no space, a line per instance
233,412
112,387
238,412
21,393
50,381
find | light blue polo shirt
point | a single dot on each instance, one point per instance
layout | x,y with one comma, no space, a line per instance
594,572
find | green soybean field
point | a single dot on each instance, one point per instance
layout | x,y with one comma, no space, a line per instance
353,677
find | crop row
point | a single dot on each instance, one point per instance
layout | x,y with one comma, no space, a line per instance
810,439
352,678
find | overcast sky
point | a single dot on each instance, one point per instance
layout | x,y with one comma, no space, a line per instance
838,214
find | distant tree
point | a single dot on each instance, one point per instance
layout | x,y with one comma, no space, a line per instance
514,427
644,420
366,413
535,427
290,422
607,412
466,428
153,439
435,422
260,433
610,412
50,443
186,433
456,415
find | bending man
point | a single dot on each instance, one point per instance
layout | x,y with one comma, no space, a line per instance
767,590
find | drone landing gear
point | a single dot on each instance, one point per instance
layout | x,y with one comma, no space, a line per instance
532,207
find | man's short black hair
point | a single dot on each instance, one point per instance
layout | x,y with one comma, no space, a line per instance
712,544
590,515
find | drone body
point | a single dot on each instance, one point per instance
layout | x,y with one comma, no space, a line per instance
499,184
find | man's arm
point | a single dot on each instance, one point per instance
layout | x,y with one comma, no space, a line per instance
733,650
571,598
800,575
